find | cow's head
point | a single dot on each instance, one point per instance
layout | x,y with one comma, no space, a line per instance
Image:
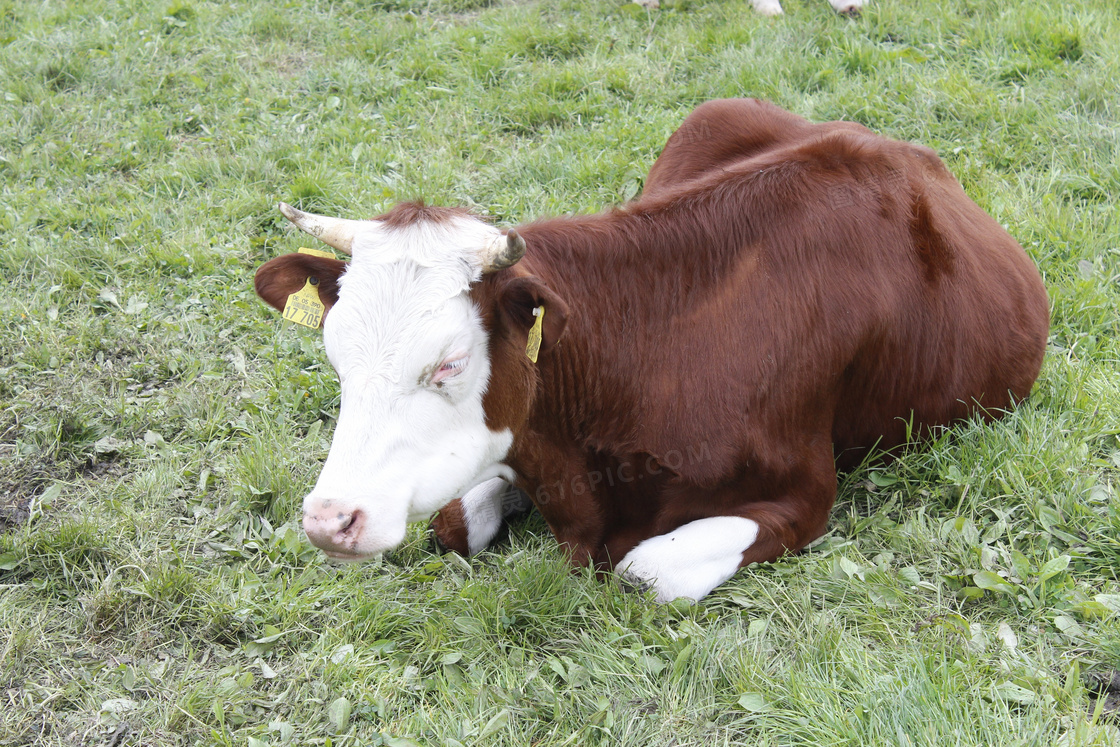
411,325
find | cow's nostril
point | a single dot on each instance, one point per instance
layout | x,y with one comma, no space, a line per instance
345,521
350,525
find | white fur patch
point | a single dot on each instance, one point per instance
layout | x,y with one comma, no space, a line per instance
482,509
691,560
768,7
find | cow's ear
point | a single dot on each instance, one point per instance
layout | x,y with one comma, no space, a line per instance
281,277
518,300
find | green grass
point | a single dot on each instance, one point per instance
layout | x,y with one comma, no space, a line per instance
159,426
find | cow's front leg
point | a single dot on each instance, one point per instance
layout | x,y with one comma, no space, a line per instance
700,555
469,524
697,557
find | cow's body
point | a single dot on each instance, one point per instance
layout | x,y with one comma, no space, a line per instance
782,293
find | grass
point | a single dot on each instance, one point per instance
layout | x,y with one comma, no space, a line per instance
159,425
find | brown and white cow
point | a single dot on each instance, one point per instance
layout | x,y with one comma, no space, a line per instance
782,298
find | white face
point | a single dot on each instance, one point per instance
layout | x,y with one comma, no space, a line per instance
411,354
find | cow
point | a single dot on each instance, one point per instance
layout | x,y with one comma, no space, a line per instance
674,382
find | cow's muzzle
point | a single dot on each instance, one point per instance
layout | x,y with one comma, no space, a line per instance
336,532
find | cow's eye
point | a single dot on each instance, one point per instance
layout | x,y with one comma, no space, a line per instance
450,367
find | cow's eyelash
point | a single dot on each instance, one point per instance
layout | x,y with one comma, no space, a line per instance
449,369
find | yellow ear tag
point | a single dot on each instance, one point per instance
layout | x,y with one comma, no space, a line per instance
315,252
304,307
533,347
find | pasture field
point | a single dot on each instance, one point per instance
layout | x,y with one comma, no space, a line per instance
159,425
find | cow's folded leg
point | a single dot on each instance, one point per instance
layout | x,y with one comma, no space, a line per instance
698,556
469,524
691,560
695,558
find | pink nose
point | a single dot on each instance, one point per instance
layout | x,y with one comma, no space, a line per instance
335,532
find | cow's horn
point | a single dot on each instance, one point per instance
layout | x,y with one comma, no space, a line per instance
503,252
336,232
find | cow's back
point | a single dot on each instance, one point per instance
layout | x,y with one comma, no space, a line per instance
720,133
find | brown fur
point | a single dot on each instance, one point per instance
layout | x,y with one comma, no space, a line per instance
406,214
783,297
